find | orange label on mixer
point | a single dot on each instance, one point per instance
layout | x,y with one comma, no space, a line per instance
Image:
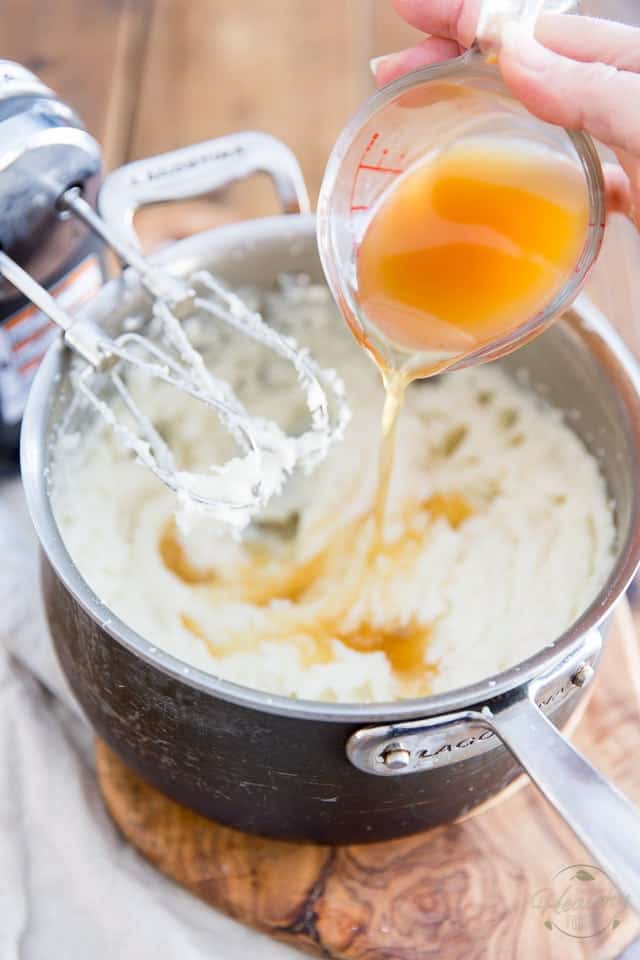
25,336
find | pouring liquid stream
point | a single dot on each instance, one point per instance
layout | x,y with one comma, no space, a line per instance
461,252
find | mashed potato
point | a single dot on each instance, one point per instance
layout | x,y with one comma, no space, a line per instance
498,531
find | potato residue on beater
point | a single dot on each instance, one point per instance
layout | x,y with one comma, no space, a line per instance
496,533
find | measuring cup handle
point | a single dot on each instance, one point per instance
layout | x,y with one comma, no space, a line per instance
199,169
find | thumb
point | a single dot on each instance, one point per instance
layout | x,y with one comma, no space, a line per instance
594,97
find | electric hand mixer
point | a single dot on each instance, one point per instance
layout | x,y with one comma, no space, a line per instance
235,491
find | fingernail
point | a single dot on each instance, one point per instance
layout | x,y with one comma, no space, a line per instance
388,60
375,62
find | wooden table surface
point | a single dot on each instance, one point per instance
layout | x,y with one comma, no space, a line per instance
151,76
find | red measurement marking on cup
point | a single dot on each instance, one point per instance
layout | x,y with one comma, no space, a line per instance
371,167
379,168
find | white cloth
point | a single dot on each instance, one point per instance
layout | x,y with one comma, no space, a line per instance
70,886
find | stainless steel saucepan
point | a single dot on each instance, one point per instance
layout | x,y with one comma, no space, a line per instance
338,773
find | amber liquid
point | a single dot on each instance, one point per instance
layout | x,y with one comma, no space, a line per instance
458,254
470,246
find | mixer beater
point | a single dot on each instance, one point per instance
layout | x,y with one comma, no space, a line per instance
236,491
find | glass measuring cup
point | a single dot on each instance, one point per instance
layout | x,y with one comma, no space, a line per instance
407,123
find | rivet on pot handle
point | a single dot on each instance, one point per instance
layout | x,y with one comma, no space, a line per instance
199,169
605,822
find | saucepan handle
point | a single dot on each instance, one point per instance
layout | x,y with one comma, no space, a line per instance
197,170
603,820
606,823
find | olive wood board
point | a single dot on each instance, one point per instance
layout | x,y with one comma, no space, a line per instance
459,892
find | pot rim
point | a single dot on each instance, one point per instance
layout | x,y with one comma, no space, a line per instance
613,355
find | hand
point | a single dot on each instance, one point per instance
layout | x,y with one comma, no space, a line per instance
578,72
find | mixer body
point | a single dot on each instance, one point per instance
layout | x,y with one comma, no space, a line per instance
43,149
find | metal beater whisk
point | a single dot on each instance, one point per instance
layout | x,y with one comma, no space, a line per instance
238,489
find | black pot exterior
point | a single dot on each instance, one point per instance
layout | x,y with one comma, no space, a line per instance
273,775
272,769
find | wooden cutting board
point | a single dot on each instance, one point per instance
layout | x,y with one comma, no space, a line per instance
459,892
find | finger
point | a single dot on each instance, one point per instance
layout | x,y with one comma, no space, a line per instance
588,40
629,191
432,50
454,19
619,194
594,97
